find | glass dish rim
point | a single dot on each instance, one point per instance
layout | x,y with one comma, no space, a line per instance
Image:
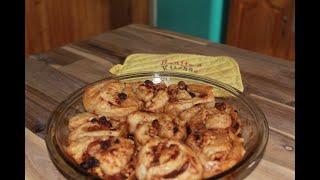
247,162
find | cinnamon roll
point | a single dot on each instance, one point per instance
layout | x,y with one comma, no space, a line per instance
160,99
210,118
183,96
167,159
190,113
139,117
218,150
106,156
77,147
98,127
154,96
146,126
143,90
111,98
236,122
79,119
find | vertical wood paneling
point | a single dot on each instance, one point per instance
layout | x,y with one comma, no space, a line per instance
27,26
120,13
53,23
36,25
292,47
263,26
140,11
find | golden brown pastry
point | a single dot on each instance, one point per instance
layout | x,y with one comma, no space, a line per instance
155,96
236,122
79,146
145,126
106,156
167,159
188,114
183,97
139,117
159,100
143,90
142,130
79,119
206,118
111,98
218,150
98,127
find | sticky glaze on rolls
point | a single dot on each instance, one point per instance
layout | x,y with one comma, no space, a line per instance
142,130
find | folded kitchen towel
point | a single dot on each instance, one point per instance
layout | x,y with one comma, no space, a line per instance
221,68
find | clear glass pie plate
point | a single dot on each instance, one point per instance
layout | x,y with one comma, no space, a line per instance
255,129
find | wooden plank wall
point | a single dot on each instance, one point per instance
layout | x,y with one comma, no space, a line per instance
53,23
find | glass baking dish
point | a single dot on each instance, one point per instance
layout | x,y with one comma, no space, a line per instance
255,129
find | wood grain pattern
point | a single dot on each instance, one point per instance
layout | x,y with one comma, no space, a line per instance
121,13
46,79
280,116
292,47
94,70
36,39
264,26
38,165
280,150
53,23
269,170
89,56
140,11
38,108
124,12
51,76
84,46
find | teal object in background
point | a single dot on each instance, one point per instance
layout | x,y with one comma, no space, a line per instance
201,18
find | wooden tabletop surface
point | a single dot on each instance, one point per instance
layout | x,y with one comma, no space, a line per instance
51,76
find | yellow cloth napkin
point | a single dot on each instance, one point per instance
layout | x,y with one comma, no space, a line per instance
221,68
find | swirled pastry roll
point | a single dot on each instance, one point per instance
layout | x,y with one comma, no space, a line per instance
98,127
167,159
236,122
111,98
79,119
84,117
143,90
79,146
218,150
139,117
107,157
206,116
154,96
159,100
146,126
188,114
202,117
183,96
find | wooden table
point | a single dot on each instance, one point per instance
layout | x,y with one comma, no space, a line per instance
51,76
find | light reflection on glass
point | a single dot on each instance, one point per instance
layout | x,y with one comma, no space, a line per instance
156,80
